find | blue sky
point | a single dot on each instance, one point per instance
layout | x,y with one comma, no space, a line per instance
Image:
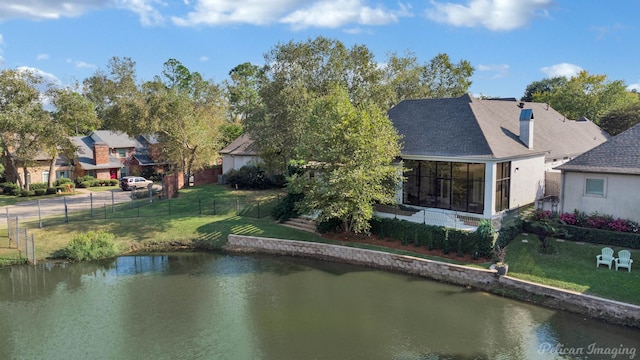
510,43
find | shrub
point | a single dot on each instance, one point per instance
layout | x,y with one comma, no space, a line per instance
333,224
486,236
253,177
113,182
542,214
40,192
286,208
63,181
8,188
86,178
51,190
92,246
27,193
36,186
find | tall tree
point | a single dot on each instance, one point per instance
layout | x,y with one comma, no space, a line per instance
186,112
22,119
244,98
408,79
620,119
116,95
586,95
546,85
351,148
445,79
294,75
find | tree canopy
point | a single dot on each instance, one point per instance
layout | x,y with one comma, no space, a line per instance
347,151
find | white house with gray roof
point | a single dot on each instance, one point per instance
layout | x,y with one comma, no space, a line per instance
605,179
482,156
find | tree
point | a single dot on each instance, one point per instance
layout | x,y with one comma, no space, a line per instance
408,79
116,95
543,86
350,148
22,119
620,119
445,79
244,97
186,112
586,95
294,75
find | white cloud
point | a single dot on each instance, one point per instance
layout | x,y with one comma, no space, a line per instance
299,14
498,70
1,40
564,69
495,15
56,9
82,64
42,57
635,87
336,13
204,58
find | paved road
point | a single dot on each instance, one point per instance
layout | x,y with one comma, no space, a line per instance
82,200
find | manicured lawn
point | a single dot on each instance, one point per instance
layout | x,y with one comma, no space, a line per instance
573,267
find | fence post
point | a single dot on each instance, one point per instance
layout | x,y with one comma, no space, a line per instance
91,203
132,203
33,250
424,216
26,243
17,239
105,211
39,215
66,210
8,225
113,203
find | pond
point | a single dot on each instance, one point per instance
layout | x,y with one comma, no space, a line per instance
220,306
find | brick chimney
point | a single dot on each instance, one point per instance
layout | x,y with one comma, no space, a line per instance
100,153
526,127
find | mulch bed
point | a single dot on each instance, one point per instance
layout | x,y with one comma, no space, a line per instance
395,244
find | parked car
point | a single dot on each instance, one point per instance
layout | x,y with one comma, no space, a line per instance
134,182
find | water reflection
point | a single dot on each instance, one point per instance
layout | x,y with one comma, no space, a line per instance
203,305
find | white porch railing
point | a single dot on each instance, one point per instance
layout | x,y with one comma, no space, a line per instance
438,217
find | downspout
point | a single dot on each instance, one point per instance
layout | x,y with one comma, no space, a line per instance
562,176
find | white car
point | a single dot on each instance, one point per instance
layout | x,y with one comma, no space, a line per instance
134,182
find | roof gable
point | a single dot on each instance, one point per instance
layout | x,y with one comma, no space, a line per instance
468,127
621,154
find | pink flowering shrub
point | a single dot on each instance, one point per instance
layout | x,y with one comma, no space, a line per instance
542,214
599,221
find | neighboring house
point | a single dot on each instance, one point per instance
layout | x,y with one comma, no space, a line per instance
239,153
605,179
481,156
106,154
37,172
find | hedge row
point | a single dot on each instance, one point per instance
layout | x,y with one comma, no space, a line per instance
605,237
434,237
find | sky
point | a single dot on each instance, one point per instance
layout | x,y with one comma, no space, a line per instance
510,43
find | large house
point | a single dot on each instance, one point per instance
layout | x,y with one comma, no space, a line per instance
484,156
103,154
605,179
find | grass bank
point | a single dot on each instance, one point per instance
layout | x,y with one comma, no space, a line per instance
573,267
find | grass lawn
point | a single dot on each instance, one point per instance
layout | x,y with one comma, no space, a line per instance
573,267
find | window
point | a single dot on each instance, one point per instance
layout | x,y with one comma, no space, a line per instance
122,152
45,176
444,185
594,187
503,185
62,174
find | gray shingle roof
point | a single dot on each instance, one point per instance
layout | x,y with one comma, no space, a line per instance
115,139
476,128
241,146
84,155
619,155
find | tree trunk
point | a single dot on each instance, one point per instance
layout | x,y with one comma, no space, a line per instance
51,167
27,181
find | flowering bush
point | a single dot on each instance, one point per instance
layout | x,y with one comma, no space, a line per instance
542,215
599,221
568,218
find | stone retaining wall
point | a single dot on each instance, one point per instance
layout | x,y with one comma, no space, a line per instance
482,279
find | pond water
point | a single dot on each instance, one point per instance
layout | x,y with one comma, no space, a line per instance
219,306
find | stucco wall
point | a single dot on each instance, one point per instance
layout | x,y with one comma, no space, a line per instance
236,162
622,197
482,279
527,181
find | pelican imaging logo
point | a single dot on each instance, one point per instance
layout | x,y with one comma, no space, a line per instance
602,352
